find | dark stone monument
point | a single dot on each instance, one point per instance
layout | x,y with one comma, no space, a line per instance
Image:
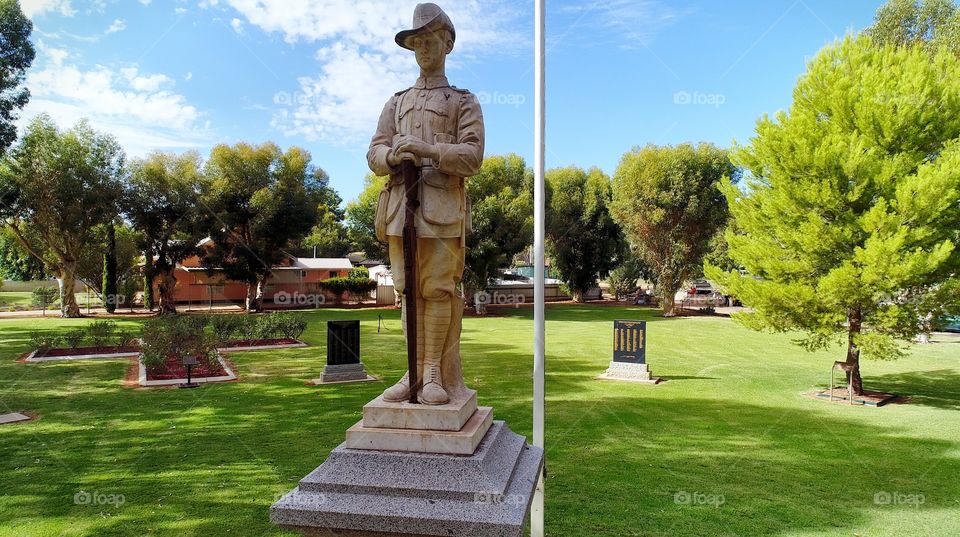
629,353
343,353
630,342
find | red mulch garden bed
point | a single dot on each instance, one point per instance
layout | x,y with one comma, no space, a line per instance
259,343
80,351
173,369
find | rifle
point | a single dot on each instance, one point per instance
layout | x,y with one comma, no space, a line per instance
411,184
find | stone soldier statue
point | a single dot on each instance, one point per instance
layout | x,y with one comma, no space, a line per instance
440,127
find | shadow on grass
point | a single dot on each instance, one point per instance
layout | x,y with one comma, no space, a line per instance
937,389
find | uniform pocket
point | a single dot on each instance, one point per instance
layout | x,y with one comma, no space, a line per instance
441,198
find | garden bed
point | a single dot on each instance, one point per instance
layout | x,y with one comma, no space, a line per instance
869,398
82,353
174,373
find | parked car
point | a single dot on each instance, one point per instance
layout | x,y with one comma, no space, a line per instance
952,324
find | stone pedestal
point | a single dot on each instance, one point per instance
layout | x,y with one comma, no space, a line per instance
629,372
362,492
336,373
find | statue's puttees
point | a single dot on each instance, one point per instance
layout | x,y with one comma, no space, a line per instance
440,128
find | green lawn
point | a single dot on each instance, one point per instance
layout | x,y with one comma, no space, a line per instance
730,427
24,300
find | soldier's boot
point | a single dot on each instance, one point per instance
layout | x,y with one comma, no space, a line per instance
400,391
436,325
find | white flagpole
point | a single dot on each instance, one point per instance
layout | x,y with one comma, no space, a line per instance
539,217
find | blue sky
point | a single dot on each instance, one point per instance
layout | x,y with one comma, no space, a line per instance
188,74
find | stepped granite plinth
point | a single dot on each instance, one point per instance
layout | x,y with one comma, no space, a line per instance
340,373
390,493
629,372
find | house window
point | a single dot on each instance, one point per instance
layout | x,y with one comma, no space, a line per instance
333,274
303,274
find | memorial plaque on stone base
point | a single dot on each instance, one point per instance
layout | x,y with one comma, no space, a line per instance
629,354
343,353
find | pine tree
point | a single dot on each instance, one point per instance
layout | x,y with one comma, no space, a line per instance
849,223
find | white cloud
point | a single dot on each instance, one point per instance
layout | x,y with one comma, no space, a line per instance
189,76
145,2
139,109
360,65
179,10
118,26
237,25
32,8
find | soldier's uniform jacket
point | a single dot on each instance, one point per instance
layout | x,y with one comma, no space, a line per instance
450,118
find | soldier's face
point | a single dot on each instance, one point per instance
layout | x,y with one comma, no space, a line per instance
431,49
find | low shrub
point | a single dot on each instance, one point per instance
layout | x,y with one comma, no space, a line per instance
269,325
124,337
226,327
42,340
293,325
100,332
177,337
75,337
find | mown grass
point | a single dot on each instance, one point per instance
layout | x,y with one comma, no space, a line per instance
730,430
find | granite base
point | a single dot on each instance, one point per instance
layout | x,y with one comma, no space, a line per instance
395,494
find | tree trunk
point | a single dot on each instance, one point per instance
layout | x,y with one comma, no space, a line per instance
855,325
148,280
68,288
669,300
255,295
166,288
261,289
577,295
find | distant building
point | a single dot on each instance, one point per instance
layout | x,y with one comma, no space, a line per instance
295,275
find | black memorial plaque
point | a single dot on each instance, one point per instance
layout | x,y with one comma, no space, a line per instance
630,341
343,342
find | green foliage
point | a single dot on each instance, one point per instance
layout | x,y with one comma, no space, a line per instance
226,327
360,218
162,202
123,337
74,337
261,202
100,332
62,185
852,208
667,200
293,325
44,339
930,24
359,273
109,288
623,279
17,57
502,216
584,241
177,336
16,263
44,297
268,325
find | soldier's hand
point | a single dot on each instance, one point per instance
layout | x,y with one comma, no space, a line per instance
410,144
